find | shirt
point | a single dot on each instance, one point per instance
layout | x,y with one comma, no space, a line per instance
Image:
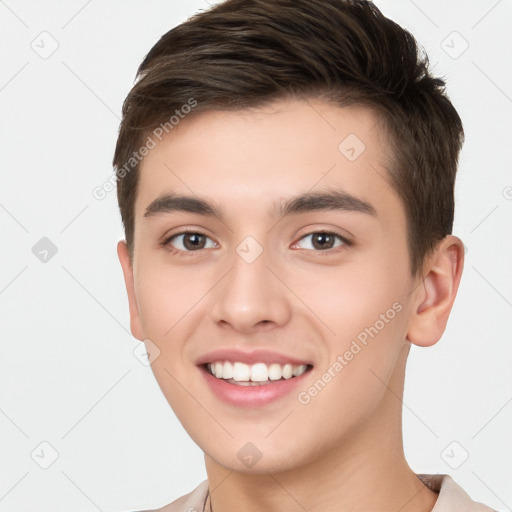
452,498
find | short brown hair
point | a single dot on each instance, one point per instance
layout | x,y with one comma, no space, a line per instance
246,53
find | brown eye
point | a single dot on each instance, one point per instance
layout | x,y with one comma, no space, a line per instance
322,241
193,241
190,242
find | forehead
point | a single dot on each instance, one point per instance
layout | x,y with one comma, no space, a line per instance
262,155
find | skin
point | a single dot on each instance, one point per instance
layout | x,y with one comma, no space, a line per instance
295,298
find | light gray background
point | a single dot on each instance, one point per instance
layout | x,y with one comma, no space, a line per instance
68,375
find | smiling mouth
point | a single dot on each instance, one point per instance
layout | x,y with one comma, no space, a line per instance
258,374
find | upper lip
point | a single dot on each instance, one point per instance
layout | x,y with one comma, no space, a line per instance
249,357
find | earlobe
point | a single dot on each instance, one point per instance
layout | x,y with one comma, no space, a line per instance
126,264
436,293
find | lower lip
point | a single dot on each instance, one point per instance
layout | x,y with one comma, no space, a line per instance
251,396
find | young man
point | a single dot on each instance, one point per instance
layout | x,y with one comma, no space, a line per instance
285,179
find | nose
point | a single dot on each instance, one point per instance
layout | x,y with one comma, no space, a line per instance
250,298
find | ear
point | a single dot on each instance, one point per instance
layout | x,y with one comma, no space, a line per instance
435,292
126,264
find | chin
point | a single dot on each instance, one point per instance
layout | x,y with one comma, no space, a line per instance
262,464
257,457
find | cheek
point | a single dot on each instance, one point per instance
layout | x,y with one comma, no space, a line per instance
169,302
366,316
349,300
167,298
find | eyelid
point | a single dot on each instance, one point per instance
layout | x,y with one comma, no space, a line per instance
182,231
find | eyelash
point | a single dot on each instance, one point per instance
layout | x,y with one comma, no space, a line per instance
181,253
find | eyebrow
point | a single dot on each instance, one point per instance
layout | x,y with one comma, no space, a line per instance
330,200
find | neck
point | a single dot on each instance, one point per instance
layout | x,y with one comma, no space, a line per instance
367,472
361,478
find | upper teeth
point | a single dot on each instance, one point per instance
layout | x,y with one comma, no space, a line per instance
258,372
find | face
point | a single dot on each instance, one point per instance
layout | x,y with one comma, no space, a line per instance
285,272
